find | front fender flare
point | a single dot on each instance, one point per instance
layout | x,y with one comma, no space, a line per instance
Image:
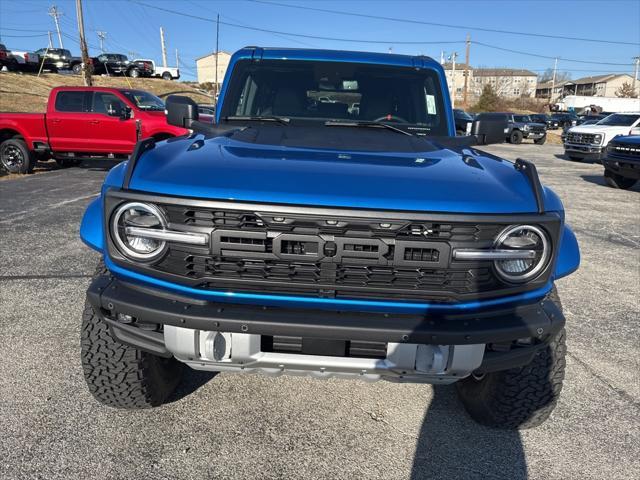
91,229
568,254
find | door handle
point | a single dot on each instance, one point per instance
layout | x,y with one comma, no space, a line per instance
55,120
94,122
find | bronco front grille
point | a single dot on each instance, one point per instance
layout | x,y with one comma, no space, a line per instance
329,253
625,150
581,138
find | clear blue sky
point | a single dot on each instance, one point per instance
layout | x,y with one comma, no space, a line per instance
132,27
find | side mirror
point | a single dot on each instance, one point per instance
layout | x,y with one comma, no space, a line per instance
115,110
181,111
489,130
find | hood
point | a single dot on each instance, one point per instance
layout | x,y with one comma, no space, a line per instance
589,128
439,180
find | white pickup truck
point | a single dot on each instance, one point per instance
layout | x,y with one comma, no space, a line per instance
26,61
590,141
166,73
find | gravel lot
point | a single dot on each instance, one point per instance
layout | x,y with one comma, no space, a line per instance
245,427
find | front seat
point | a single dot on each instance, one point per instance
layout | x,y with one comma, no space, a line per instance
287,102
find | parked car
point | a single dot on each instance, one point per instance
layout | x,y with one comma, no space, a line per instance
54,59
463,121
166,73
118,64
82,122
519,127
551,123
622,162
6,60
590,141
290,238
565,119
26,61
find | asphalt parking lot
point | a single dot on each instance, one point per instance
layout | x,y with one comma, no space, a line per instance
246,427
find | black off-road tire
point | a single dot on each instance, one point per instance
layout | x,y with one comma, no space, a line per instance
119,375
515,137
522,397
540,141
618,181
15,156
77,69
167,76
134,73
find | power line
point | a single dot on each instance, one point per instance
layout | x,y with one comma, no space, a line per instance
546,56
26,36
300,35
460,27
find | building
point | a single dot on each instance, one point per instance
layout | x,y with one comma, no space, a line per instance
507,82
206,67
594,86
456,85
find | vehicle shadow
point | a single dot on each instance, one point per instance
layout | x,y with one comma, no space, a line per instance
452,446
599,180
97,165
562,156
191,381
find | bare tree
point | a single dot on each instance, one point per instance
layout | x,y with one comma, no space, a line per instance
626,90
547,75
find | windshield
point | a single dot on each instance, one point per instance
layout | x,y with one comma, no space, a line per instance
522,118
462,115
620,120
144,100
312,92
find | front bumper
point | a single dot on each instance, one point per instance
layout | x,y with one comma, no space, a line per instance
534,135
585,151
170,325
628,168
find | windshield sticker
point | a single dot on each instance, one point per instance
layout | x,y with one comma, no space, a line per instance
431,105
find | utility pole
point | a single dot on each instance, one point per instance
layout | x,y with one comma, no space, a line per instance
55,14
453,57
553,80
635,77
86,67
101,36
217,52
164,48
177,59
466,71
50,39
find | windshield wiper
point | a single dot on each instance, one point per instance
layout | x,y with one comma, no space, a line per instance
258,118
367,124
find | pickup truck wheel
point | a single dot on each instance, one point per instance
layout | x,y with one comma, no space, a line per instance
119,375
16,157
134,73
166,76
77,69
515,137
540,141
522,397
618,181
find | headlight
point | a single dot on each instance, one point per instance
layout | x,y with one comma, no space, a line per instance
137,215
521,238
597,139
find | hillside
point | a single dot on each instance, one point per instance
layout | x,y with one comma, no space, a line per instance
28,93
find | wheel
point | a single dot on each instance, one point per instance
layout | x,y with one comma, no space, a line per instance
68,162
618,181
522,397
16,157
53,69
540,141
515,137
134,73
575,158
77,69
119,375
166,76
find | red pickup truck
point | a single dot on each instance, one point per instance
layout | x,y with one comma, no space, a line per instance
80,123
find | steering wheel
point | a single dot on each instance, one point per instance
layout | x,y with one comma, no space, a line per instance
391,117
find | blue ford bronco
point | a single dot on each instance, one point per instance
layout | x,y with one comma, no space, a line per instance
329,224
